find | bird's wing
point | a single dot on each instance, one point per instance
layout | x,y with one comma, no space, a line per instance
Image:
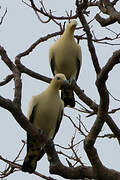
31,119
79,61
30,141
59,119
51,59
78,68
52,65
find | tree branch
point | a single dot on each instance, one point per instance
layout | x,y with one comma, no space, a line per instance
102,75
108,8
25,70
89,36
6,80
3,16
49,14
56,167
16,74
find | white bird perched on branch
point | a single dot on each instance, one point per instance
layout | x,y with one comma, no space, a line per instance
45,113
65,57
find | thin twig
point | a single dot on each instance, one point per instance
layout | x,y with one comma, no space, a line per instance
6,80
3,16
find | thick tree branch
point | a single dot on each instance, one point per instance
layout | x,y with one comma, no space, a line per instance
105,22
25,70
108,8
83,97
31,73
89,102
40,40
100,170
16,74
15,106
56,167
102,173
113,60
102,75
89,36
21,119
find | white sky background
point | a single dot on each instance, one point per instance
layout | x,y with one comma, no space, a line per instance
19,30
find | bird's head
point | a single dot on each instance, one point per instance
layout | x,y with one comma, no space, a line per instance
60,81
71,26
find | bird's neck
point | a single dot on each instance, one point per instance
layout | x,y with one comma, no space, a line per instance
53,90
68,34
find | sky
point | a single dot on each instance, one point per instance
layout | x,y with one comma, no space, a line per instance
18,31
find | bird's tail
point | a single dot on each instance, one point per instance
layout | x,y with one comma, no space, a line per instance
67,96
30,162
31,158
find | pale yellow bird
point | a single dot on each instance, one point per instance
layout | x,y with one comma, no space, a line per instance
45,113
65,57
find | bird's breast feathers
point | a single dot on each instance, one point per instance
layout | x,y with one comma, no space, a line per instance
65,54
46,115
65,61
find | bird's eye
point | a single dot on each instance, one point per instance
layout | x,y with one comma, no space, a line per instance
58,78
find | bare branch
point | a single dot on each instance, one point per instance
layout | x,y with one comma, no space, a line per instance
19,152
16,74
40,40
114,110
7,79
115,59
89,37
78,128
23,69
47,14
108,8
13,167
102,75
105,22
3,16
82,96
56,167
104,40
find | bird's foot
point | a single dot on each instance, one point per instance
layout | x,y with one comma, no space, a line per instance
41,131
71,80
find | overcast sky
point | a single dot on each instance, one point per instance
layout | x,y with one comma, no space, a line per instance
19,30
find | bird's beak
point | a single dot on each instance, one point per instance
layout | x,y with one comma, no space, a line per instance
66,84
